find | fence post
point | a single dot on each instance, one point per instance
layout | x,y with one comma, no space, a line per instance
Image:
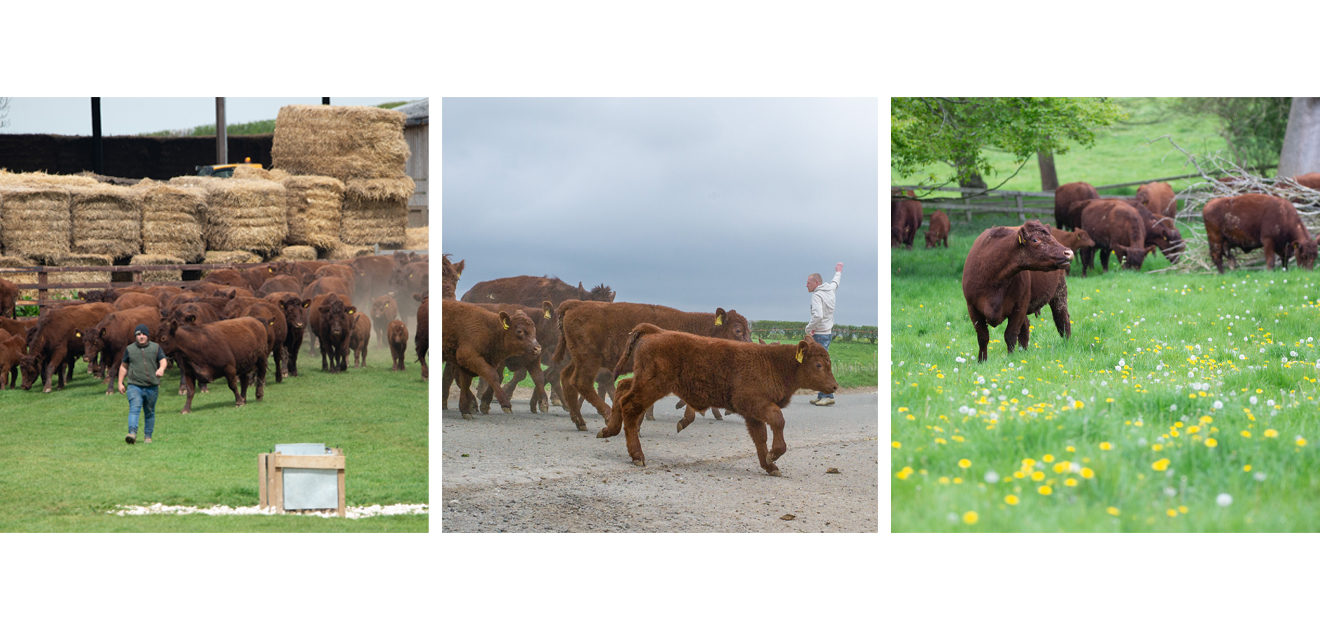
1022,215
41,292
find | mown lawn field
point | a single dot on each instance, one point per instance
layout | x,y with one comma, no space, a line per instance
1183,402
66,466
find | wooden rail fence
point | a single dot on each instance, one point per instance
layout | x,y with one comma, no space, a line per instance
43,285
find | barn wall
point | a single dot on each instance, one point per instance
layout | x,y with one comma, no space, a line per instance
417,168
125,156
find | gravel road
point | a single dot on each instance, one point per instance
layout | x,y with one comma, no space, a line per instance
525,472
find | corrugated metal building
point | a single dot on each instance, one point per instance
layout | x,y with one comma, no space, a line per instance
416,131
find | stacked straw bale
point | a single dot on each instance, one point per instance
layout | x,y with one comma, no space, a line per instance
70,277
417,238
242,214
173,219
34,220
339,141
296,253
376,211
344,251
106,220
217,257
159,275
314,207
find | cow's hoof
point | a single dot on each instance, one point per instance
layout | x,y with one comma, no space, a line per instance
507,409
773,472
185,412
599,434
468,416
640,462
46,390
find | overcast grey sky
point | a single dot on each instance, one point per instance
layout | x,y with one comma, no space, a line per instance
72,116
692,203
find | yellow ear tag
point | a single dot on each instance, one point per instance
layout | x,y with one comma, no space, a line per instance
1020,240
545,315
719,320
506,326
799,355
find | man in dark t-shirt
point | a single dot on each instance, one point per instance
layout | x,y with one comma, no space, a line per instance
144,364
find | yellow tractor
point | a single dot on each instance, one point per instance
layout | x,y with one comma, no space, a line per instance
224,170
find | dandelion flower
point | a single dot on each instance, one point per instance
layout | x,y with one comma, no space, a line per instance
1211,442
1045,490
1104,446
1160,465
1037,476
964,463
1070,482
1224,499
1301,441
897,444
1011,499
1112,511
1271,433
904,474
1087,473
1172,512
970,517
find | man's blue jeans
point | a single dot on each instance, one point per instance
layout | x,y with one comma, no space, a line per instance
823,340
141,400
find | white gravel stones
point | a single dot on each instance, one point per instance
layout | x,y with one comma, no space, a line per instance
361,511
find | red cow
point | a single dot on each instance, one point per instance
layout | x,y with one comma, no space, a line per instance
134,300
754,380
294,308
905,219
421,337
8,298
231,348
383,311
359,337
1065,196
995,287
592,336
57,343
476,340
1251,221
112,334
1158,197
331,323
11,351
938,231
533,290
280,283
397,333
1116,227
330,284
449,274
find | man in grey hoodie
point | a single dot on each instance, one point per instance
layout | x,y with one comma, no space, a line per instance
821,325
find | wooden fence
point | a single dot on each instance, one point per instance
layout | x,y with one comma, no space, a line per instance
129,275
864,334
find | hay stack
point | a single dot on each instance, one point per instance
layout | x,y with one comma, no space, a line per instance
159,275
34,221
343,251
339,141
106,220
69,277
40,179
295,253
216,257
417,238
314,204
173,218
20,278
376,211
245,214
247,172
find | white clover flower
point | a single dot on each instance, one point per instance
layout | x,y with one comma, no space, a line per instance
1253,400
991,477
1260,476
1170,492
1218,405
960,359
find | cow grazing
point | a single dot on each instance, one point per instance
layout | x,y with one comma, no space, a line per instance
476,340
331,320
995,287
450,272
1064,198
421,338
234,349
8,298
593,335
383,311
1116,227
905,219
359,337
938,232
57,342
533,290
1158,197
754,380
397,334
1250,221
11,352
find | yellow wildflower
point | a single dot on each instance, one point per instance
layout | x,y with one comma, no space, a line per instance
1112,511
964,463
1104,446
970,518
1271,433
1011,499
1087,473
1160,465
1045,490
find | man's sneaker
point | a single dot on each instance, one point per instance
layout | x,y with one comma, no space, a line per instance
130,438
823,402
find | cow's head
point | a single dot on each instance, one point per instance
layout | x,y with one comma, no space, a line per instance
1034,248
814,370
519,333
731,325
29,365
1305,250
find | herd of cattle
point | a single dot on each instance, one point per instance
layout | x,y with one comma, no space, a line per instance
229,325
579,341
1011,272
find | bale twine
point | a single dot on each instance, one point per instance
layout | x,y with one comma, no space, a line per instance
173,218
35,222
339,141
245,214
344,251
314,208
69,277
417,238
376,211
106,220
217,257
159,275
296,253
20,277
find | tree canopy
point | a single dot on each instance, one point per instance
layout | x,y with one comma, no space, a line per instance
958,131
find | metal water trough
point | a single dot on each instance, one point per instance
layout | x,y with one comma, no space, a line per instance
302,476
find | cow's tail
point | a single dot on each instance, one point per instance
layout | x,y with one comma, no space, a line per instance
625,364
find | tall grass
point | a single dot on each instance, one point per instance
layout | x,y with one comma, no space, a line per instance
66,465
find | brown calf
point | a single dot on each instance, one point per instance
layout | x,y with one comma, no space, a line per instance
995,287
476,340
11,351
383,311
8,298
450,273
905,220
397,333
754,380
1116,227
939,230
57,342
359,337
1158,197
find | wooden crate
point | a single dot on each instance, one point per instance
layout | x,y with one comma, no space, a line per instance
270,475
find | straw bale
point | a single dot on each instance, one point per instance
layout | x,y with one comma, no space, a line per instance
159,275
376,211
39,179
217,257
339,141
68,277
35,221
344,251
248,172
106,220
295,253
314,206
173,218
20,277
417,238
245,214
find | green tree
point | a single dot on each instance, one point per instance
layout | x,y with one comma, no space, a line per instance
1252,127
958,131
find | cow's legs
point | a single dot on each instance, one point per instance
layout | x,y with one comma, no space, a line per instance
577,383
756,429
447,379
1268,244
472,362
1059,309
982,337
261,378
466,401
231,375
615,420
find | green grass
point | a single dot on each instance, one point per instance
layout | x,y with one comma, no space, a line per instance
1116,419
1127,151
66,463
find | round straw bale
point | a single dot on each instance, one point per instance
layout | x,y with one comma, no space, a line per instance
339,141
106,220
376,211
158,275
35,222
216,257
93,278
296,252
173,218
314,206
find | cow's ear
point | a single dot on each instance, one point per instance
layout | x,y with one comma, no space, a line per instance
351,310
458,268
306,303
190,318
802,350
547,310
1022,235
719,317
504,320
